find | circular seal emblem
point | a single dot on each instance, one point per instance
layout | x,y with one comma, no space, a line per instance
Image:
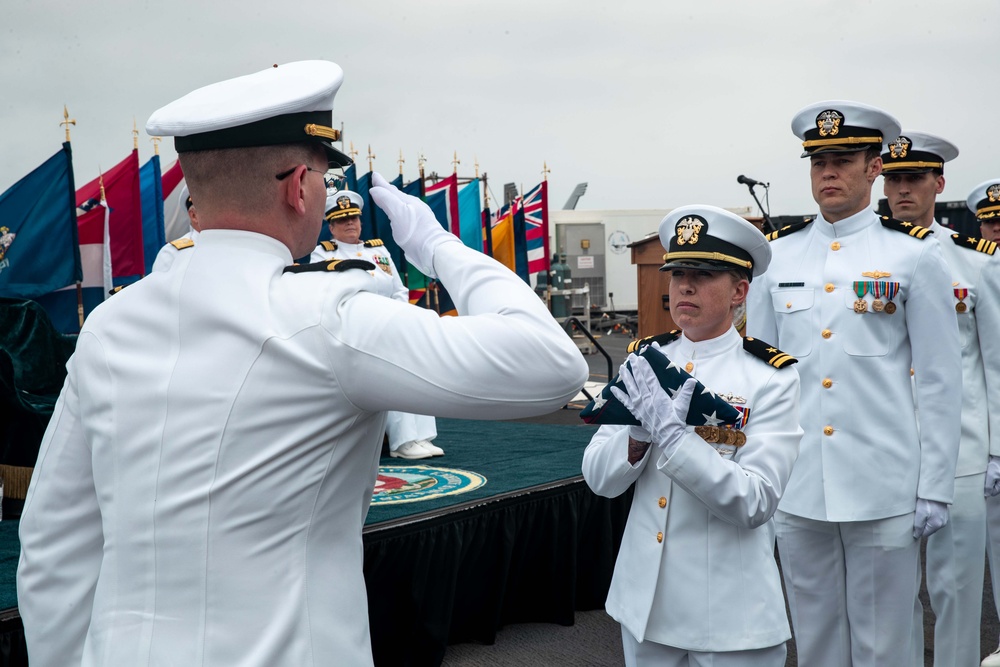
411,484
618,240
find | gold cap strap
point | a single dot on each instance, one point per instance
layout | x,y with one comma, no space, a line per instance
715,256
314,130
840,141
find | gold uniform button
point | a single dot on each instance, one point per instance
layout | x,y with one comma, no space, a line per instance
826,333
663,501
827,430
788,305
911,372
659,537
827,382
835,245
689,367
829,287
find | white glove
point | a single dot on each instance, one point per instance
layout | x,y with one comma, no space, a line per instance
664,417
414,226
993,477
930,517
639,434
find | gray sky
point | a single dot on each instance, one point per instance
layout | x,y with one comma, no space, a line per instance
655,104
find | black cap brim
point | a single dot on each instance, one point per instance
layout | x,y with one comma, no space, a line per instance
335,158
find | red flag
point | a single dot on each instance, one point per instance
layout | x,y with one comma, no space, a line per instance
451,183
536,224
121,189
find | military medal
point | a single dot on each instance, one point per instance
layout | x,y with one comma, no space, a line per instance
891,289
860,288
878,288
960,294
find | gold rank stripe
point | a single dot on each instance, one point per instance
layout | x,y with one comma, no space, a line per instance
717,256
781,359
180,244
841,141
889,166
989,247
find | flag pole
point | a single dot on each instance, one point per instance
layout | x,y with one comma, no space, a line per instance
545,171
371,156
135,135
400,161
454,163
66,122
156,144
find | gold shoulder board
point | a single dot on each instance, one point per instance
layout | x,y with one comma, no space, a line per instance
768,353
662,339
180,244
788,229
916,231
329,246
331,265
373,243
974,243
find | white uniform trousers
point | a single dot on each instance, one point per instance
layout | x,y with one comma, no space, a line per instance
403,427
850,589
993,545
954,575
651,654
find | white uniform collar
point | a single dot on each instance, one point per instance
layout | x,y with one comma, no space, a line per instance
940,231
350,246
849,225
244,240
711,347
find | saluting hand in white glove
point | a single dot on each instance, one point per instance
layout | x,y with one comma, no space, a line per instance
665,418
414,227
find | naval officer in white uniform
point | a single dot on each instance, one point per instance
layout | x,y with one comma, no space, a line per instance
201,489
860,301
913,176
984,201
168,253
696,582
410,436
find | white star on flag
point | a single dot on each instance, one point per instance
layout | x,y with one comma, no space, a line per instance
710,392
712,419
599,401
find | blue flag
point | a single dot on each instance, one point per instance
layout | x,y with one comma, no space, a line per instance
151,192
39,252
470,216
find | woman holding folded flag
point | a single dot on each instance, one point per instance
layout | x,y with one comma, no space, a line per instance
710,449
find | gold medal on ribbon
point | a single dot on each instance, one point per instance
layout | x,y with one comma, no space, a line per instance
960,294
860,288
878,288
891,289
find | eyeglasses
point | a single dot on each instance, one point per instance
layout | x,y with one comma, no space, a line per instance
285,174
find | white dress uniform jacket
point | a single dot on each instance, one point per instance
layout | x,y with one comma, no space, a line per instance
861,457
966,267
201,489
696,567
168,253
387,276
988,320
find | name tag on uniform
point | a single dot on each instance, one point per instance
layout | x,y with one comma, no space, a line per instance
791,284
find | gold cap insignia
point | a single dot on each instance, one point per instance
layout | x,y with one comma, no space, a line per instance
688,228
829,122
899,147
993,192
344,202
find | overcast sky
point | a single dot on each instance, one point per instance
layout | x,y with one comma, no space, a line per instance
655,103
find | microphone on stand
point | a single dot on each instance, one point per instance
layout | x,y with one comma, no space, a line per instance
744,180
